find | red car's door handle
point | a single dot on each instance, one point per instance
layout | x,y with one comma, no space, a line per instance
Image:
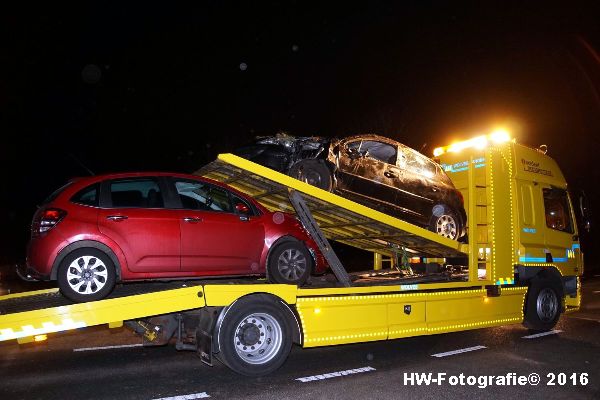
192,220
117,218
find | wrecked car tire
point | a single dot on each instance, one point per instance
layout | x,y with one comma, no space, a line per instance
313,172
445,222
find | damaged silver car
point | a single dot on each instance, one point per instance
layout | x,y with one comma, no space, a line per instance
372,170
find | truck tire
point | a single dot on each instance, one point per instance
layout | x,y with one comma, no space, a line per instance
289,263
543,304
313,172
255,335
86,274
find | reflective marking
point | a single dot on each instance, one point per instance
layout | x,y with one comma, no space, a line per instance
335,374
459,351
47,327
192,396
537,335
570,253
409,287
108,347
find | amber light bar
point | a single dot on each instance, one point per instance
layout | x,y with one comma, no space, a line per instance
479,142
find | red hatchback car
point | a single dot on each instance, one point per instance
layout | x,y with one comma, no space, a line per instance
96,231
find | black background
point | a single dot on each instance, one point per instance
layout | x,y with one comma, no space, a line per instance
166,86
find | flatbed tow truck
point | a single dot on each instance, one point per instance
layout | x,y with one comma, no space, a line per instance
521,264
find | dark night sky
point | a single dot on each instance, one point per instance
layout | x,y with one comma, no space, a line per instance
163,86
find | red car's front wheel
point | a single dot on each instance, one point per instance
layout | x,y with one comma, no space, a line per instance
290,262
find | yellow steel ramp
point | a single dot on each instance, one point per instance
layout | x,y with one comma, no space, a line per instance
26,315
340,219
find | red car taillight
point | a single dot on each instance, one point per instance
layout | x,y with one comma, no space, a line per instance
46,220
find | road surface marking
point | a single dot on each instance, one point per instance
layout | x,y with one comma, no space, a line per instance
537,335
596,291
121,346
192,396
335,374
459,351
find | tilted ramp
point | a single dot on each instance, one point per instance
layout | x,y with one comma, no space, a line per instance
340,219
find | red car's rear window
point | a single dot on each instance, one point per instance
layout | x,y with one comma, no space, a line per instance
56,193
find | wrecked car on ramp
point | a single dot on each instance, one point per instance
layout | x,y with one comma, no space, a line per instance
378,172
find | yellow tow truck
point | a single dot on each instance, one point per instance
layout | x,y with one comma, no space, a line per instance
521,264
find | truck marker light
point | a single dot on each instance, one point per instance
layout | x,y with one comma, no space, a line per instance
40,338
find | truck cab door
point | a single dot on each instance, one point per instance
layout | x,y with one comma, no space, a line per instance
561,236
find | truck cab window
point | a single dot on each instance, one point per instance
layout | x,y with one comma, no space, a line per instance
557,209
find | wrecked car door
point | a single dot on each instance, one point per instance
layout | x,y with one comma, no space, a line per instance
368,168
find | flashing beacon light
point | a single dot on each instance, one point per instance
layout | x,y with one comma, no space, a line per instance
479,142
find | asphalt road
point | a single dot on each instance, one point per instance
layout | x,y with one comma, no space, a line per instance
567,363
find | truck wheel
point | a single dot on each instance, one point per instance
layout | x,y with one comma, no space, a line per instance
543,304
255,336
289,263
445,222
86,275
313,172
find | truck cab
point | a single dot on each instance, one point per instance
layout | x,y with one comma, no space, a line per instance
521,215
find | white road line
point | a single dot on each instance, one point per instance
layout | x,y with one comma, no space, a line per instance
537,335
121,346
335,374
596,291
192,396
459,351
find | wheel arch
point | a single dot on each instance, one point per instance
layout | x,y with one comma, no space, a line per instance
81,245
528,273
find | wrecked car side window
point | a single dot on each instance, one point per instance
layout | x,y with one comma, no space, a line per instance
416,163
378,150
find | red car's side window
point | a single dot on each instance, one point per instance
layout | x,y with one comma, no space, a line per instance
136,193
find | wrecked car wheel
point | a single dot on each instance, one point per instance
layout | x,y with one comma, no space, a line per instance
445,222
313,172
290,263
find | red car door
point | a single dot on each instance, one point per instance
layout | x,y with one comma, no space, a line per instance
137,221
216,240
